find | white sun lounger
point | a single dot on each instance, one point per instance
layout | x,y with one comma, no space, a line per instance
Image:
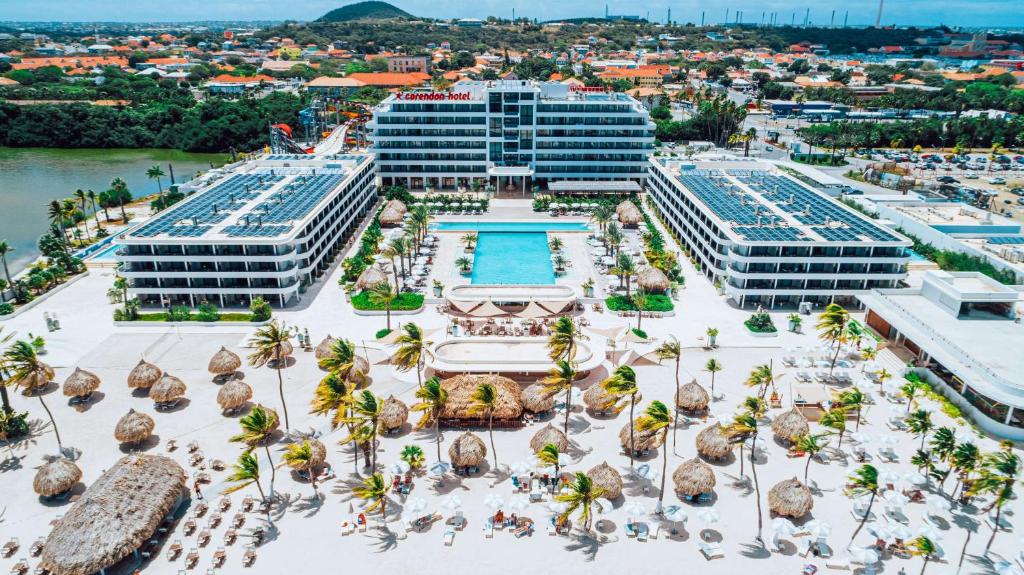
804,549
449,537
838,563
656,531
489,530
710,550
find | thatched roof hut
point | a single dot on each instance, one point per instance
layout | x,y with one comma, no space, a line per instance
233,394
713,443
598,400
134,427
390,216
397,204
38,379
371,277
168,388
607,479
693,478
790,426
460,399
467,450
56,476
144,375
283,351
549,434
629,214
651,279
115,516
537,399
394,414
318,455
790,498
645,440
692,397
224,362
80,383
324,348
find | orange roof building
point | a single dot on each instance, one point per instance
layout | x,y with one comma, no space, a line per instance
390,79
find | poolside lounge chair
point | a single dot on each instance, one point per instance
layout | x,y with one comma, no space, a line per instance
656,531
710,550
631,529
804,548
888,454
489,529
642,532
824,551
458,521
838,563
249,558
449,537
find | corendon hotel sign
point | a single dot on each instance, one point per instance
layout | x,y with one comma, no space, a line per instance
433,96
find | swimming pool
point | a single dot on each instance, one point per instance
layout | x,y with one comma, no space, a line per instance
512,258
915,257
106,254
510,226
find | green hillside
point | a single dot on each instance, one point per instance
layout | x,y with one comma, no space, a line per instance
372,10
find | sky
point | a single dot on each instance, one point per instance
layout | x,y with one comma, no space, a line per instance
995,13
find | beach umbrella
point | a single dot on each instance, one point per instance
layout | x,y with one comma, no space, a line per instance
557,507
963,436
645,471
493,502
930,532
635,509
439,468
783,527
399,468
602,505
915,478
415,505
888,440
937,504
888,477
901,532
518,503
863,555
452,503
861,437
675,513
521,468
425,251
895,500
891,388
1004,567
818,528
880,531
709,515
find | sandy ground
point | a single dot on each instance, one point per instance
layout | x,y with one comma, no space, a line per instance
307,529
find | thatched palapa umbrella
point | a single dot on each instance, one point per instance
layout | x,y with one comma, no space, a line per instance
115,516
394,414
144,375
790,426
713,443
224,362
325,347
57,476
233,395
397,205
694,478
549,434
467,450
607,479
629,214
790,498
646,440
390,216
598,400
169,388
692,397
509,407
81,383
652,280
370,277
134,427
537,399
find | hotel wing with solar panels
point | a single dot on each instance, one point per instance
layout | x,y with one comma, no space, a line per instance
768,238
267,227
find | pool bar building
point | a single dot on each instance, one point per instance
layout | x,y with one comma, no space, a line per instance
511,134
266,228
769,239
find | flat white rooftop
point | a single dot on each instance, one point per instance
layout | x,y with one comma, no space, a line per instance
503,355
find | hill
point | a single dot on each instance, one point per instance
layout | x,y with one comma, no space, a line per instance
372,10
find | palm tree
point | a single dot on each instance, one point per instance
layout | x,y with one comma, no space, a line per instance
762,377
673,350
399,247
258,427
657,418
942,446
366,408
581,496
68,209
549,455
413,351
95,213
382,294
413,455
82,199
421,217
869,354
300,457
622,385
835,419
613,238
563,339
625,269
468,240
245,473
333,395
909,390
834,325
999,472
26,370
811,445
920,423
560,379
923,547
341,360
483,401
55,211
853,398
640,300
120,195
432,398
375,490
5,248
272,345
556,244
713,366
155,173
464,264
966,460
602,215
864,481
744,427
390,253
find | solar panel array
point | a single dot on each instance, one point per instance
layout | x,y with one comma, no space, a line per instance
772,234
297,198
254,230
729,202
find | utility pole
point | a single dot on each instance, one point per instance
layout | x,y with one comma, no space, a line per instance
762,19
878,19
807,17
726,21
668,19
701,18
792,20
832,21
845,18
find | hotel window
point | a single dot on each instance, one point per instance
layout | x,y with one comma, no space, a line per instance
991,408
1017,417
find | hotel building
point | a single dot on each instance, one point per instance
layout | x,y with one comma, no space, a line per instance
266,228
513,134
768,238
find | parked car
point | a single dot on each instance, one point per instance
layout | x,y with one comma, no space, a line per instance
946,179
971,176
997,181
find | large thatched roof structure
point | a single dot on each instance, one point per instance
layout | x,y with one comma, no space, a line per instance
694,477
629,214
56,476
598,400
394,414
460,399
115,516
549,434
391,216
645,440
713,443
318,455
790,498
692,397
80,383
537,399
607,479
224,362
38,379
652,279
324,348
397,204
144,375
371,277
790,426
467,450
134,427
168,388
233,394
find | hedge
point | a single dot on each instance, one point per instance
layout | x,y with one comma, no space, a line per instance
655,302
405,301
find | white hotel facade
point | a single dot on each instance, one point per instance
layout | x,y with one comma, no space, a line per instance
513,134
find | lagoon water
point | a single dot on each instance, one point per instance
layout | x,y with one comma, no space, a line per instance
32,177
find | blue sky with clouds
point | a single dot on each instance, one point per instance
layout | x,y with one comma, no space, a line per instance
1002,13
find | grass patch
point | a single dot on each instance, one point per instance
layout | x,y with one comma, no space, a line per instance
406,301
655,302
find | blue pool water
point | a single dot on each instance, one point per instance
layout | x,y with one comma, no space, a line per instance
915,257
106,254
512,258
510,226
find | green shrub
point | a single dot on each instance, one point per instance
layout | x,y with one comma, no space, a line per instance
760,323
207,312
260,310
382,332
655,302
404,301
179,313
13,425
639,333
6,308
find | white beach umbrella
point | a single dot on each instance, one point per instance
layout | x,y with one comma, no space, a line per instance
863,555
635,509
937,504
891,388
888,477
709,515
493,501
818,528
521,467
783,527
887,440
608,260
646,471
880,531
914,478
1004,567
930,532
675,513
452,503
755,443
425,251
557,507
439,468
861,437
895,500
901,532
399,468
518,503
415,505
421,261
603,506
963,436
